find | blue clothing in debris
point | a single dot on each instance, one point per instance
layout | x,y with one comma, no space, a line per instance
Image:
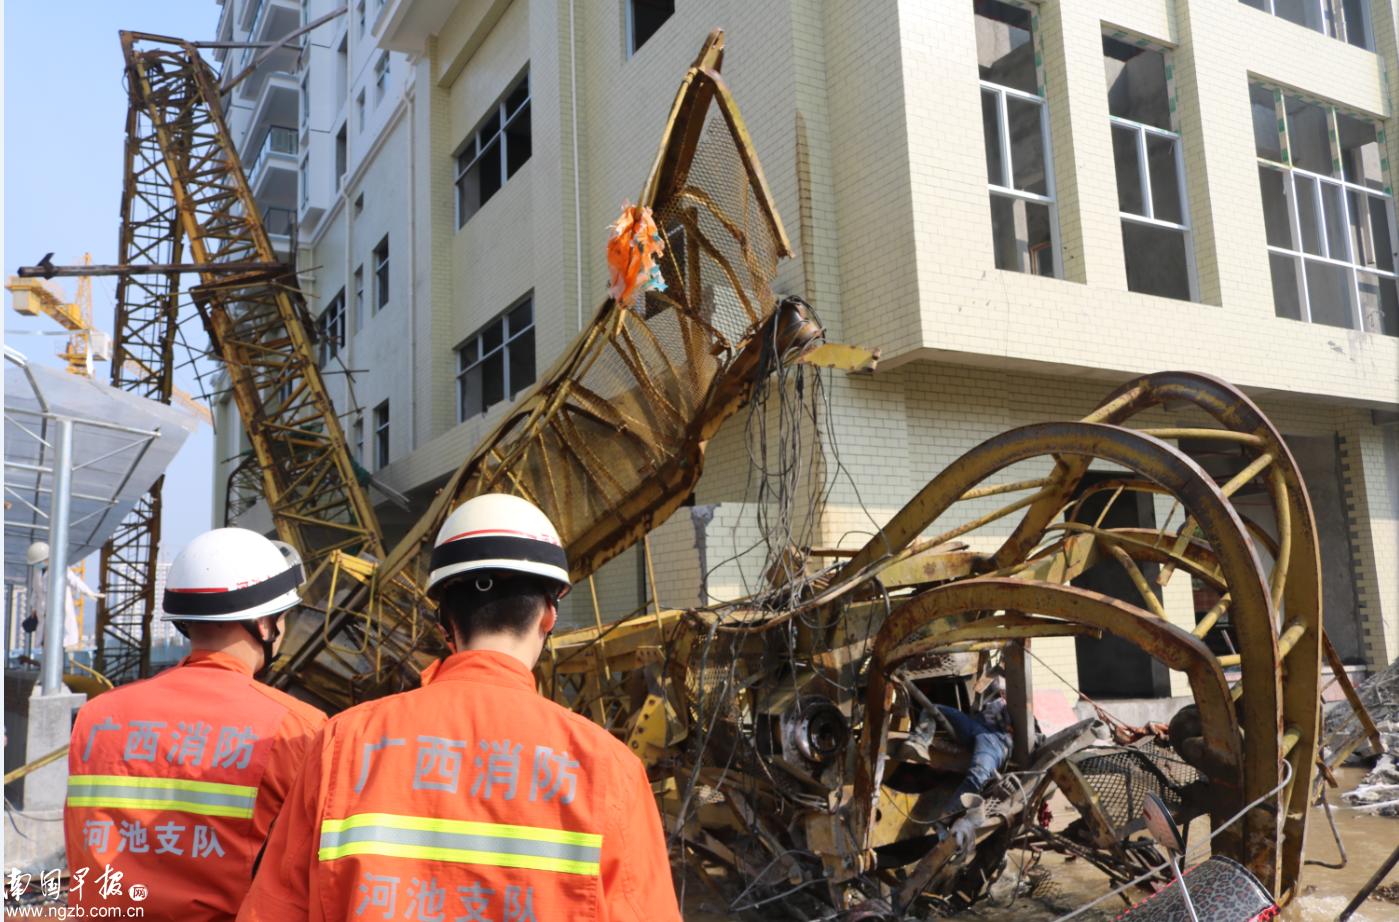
990,748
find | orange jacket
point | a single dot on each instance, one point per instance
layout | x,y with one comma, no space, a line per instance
173,784
469,798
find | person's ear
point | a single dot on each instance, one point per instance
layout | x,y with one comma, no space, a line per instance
268,627
551,616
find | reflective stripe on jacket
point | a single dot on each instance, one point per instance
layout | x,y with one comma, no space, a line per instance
173,784
469,798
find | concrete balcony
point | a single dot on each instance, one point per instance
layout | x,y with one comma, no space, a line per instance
273,171
278,103
406,25
270,20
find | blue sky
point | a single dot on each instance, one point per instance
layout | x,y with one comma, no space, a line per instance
65,113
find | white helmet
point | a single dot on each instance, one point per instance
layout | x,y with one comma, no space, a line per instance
497,531
231,574
38,553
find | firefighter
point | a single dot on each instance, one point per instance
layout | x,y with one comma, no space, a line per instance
174,781
472,797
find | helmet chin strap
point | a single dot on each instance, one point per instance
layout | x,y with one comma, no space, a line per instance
267,643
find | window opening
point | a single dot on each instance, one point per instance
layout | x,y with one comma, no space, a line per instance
1015,120
359,297
381,435
341,155
381,274
1328,213
495,151
496,362
1346,20
381,77
1150,168
644,18
330,329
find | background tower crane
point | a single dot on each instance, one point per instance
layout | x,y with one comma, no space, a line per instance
86,344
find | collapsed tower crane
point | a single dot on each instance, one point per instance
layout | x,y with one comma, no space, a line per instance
787,757
185,197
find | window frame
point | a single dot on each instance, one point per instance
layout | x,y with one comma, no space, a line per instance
359,439
477,144
381,435
359,111
1149,219
507,337
359,297
342,153
1335,23
380,265
1006,189
630,13
1290,173
330,329
381,77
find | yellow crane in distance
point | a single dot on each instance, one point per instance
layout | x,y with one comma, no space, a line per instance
86,344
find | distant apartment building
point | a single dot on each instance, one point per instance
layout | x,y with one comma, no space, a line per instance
1022,204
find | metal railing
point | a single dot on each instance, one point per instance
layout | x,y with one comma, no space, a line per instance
278,221
278,140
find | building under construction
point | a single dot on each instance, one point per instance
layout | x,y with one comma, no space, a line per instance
862,447
457,167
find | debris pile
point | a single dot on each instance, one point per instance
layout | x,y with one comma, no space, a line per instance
1378,792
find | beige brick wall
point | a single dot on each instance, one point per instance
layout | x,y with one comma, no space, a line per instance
866,116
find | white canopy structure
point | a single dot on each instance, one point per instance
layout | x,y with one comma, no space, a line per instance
120,444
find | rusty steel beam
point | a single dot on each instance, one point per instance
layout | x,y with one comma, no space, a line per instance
1301,600
1073,445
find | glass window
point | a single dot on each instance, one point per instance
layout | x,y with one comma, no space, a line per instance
1328,219
1149,166
495,151
359,298
644,17
381,76
381,274
1347,20
381,435
1015,124
330,329
496,362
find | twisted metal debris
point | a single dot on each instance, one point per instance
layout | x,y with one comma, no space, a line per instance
773,734
774,727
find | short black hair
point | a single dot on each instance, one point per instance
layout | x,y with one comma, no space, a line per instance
508,603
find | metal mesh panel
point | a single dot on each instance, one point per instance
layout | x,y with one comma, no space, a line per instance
1122,776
